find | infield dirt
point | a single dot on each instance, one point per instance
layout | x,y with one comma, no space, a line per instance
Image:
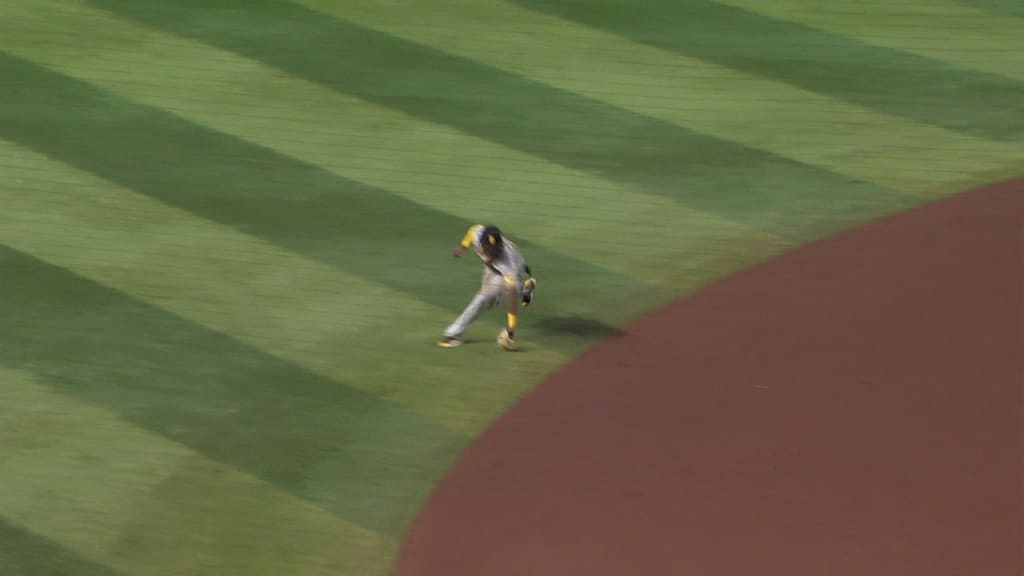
853,407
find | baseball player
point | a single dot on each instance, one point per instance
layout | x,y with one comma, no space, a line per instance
503,280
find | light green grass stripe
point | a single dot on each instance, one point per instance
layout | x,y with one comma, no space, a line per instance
133,500
732,105
294,308
939,29
571,212
336,325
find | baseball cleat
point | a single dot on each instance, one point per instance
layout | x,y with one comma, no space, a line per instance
450,342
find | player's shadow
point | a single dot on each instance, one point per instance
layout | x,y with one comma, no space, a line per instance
576,326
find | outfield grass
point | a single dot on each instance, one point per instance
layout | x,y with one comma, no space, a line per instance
225,229
1004,7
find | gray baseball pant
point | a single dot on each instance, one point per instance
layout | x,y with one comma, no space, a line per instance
492,290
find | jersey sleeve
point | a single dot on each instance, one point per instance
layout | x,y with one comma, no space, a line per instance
471,235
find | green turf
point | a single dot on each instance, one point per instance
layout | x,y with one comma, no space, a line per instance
942,30
892,81
363,230
1007,7
23,553
144,504
225,224
232,403
512,111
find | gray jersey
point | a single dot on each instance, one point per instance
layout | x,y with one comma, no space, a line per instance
510,265
499,275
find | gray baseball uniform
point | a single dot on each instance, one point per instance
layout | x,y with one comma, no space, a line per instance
508,269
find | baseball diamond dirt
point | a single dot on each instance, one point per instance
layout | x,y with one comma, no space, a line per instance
851,408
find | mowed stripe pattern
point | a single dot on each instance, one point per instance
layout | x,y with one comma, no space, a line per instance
225,226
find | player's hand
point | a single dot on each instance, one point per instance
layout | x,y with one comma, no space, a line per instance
528,287
458,250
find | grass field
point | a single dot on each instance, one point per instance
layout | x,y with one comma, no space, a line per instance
225,224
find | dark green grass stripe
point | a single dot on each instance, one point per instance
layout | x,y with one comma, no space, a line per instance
355,454
363,230
891,81
743,184
23,553
1008,7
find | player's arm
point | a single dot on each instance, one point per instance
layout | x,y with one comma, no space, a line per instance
511,297
528,285
467,240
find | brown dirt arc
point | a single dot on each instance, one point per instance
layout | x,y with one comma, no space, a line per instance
851,408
